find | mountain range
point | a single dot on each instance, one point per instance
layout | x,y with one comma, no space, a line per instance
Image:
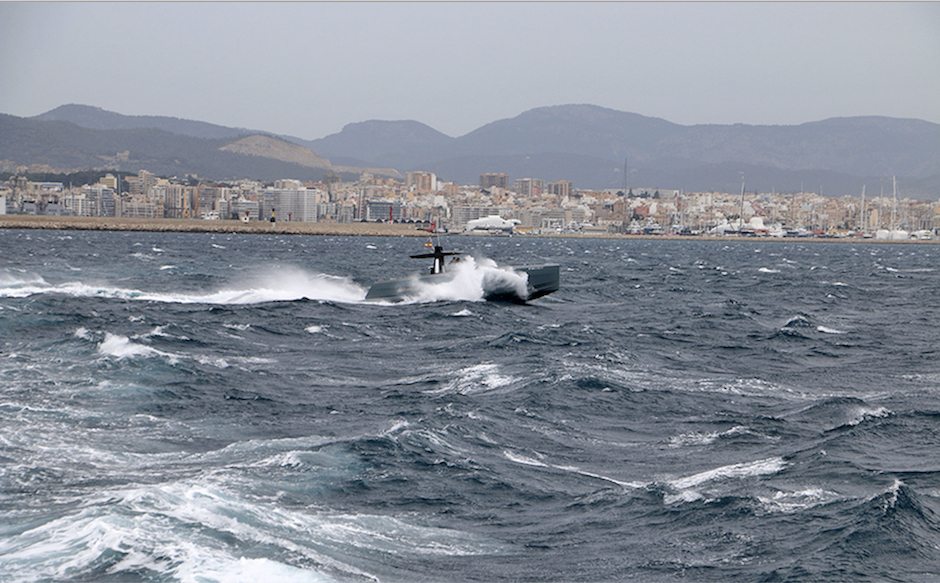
584,144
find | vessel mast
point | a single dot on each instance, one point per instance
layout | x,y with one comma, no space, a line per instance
862,226
894,206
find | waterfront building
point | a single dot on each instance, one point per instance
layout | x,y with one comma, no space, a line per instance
380,210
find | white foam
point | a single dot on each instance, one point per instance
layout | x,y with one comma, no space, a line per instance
521,459
826,330
787,502
743,470
283,284
478,378
121,347
695,438
529,461
474,279
860,414
72,545
20,284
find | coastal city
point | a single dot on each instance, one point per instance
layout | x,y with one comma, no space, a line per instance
495,205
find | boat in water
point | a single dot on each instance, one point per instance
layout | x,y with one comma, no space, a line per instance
518,284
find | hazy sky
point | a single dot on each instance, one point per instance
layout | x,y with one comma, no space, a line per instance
307,69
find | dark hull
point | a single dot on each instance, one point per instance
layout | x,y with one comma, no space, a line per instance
398,290
542,280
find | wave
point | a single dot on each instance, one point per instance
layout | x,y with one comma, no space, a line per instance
529,461
743,470
789,502
191,516
194,530
480,378
121,347
678,489
837,412
284,284
474,280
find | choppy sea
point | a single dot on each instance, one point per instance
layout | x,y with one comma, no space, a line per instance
198,407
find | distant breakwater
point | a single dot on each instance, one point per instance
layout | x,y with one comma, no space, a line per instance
342,229
204,226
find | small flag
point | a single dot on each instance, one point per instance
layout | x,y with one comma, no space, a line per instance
428,244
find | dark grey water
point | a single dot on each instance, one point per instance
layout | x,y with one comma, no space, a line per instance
180,407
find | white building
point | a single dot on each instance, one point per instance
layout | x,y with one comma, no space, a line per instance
293,204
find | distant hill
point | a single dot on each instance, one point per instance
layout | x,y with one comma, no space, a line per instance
96,118
584,144
67,145
588,145
268,147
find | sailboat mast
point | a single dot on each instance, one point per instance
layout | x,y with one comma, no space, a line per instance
862,226
894,207
625,177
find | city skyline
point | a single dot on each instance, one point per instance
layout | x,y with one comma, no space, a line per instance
307,69
530,204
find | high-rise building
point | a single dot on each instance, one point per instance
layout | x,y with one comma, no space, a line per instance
421,181
561,188
529,186
498,180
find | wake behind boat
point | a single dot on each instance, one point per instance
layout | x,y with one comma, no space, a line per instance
516,284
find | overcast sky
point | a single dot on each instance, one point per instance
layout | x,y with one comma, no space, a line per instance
308,69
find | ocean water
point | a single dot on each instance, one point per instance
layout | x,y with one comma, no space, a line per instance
197,407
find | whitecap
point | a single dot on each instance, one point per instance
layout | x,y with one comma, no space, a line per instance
121,347
476,379
768,270
825,330
525,460
743,470
787,502
529,461
860,414
698,439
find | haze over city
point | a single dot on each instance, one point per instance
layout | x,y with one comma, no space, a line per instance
308,69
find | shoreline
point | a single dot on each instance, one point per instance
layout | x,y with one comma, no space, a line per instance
42,222
204,226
